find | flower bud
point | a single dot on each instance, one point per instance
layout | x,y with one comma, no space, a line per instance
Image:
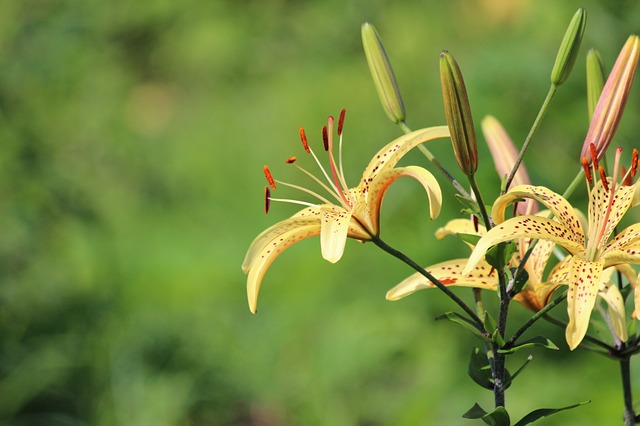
613,99
458,114
505,155
382,73
595,79
568,53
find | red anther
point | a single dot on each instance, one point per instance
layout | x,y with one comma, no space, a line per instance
634,163
603,178
269,176
628,181
594,155
290,160
267,199
587,170
325,138
341,121
303,138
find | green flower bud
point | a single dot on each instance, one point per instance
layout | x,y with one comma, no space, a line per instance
595,79
568,53
382,74
458,114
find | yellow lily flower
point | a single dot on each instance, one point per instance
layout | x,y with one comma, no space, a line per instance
355,213
591,252
535,295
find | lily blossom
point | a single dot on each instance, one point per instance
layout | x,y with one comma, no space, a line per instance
535,295
353,213
591,250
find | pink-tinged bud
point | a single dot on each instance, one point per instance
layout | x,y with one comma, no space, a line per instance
458,113
613,99
505,155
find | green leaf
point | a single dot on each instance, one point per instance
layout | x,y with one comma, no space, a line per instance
490,325
520,279
499,255
544,412
470,206
522,367
468,238
536,341
464,322
479,369
498,417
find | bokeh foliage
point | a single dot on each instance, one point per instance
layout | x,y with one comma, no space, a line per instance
132,138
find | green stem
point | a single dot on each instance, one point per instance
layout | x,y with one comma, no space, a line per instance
404,258
542,312
603,345
534,129
436,163
478,194
625,372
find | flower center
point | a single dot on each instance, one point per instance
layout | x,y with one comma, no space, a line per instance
604,197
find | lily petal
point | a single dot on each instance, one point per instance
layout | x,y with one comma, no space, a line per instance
460,226
610,293
269,252
625,247
389,156
306,217
583,290
448,273
598,203
525,227
562,211
334,229
379,185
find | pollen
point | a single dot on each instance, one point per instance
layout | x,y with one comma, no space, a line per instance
303,138
594,155
587,170
341,121
269,176
267,199
325,138
634,163
290,160
603,178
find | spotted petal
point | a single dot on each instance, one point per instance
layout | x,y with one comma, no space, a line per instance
334,229
584,284
389,156
379,185
562,211
525,227
611,295
602,222
625,247
448,273
269,252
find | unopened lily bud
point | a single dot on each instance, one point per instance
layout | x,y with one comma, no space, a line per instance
568,53
613,99
382,73
504,155
458,114
595,79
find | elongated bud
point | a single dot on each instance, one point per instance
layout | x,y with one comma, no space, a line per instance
505,155
382,74
595,80
568,53
458,114
613,99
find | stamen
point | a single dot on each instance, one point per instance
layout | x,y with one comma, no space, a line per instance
341,121
303,138
587,170
627,180
475,222
603,178
634,163
269,176
290,160
267,199
325,138
594,156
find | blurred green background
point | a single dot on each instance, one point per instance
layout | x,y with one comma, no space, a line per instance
132,140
